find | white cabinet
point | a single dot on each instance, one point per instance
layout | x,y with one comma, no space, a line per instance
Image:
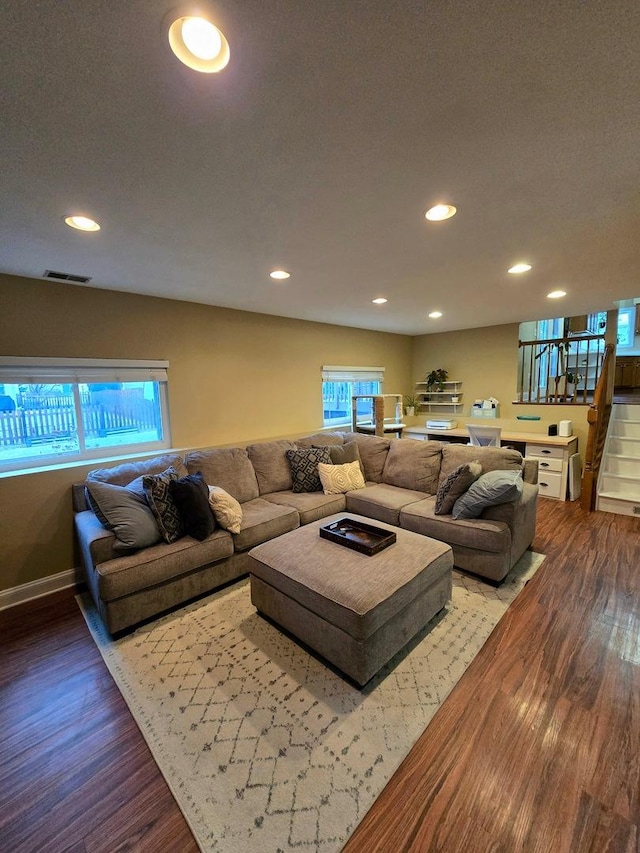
553,468
449,399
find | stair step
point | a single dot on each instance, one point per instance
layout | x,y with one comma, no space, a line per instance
624,446
607,502
619,463
625,429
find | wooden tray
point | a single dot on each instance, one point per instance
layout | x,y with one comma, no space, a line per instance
357,535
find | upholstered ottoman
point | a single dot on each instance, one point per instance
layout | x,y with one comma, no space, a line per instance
355,610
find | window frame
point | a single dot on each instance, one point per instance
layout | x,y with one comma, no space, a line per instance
351,375
75,372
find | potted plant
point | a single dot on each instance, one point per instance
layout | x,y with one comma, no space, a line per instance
411,404
436,379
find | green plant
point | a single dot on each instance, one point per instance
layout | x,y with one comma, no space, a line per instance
411,402
437,378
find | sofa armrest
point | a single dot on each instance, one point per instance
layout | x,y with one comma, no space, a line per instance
530,471
520,517
96,542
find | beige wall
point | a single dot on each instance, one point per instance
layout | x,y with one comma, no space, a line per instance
234,377
486,361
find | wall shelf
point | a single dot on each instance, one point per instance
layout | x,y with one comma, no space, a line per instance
449,398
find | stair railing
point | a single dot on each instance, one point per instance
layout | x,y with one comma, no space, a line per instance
598,415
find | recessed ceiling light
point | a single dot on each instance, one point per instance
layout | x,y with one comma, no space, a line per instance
519,268
280,274
440,212
556,294
380,300
435,314
82,223
199,44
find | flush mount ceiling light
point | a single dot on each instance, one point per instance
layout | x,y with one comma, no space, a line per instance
199,44
556,294
379,300
280,275
440,212
516,269
82,223
435,315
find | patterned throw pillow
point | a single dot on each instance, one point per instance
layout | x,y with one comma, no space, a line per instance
227,510
338,479
163,507
456,485
304,467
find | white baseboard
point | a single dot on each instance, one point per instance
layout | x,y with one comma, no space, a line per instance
37,588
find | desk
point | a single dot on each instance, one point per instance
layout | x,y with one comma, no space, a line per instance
551,452
370,429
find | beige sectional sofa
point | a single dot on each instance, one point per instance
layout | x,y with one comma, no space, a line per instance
402,478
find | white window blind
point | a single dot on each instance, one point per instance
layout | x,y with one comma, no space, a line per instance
31,371
340,373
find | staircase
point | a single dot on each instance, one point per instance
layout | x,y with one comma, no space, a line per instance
619,479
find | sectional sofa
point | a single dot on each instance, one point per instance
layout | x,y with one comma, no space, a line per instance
402,478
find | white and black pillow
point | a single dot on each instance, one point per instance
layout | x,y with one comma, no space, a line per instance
304,467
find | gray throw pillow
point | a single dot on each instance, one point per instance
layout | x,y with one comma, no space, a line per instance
304,467
491,489
124,511
341,454
164,508
455,485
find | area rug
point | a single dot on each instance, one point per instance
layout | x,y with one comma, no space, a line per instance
264,747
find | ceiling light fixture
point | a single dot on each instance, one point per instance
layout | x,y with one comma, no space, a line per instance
435,315
280,275
199,44
440,212
82,223
556,294
516,269
379,300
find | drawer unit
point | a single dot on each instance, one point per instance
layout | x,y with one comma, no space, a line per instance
550,484
547,464
547,451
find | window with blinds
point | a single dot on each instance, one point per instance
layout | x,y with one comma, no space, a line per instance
57,410
339,384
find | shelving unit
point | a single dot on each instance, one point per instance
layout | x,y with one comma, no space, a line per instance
430,400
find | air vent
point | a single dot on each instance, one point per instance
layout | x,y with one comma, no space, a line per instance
67,276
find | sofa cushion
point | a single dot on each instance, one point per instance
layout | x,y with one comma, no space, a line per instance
310,506
413,464
165,511
373,452
478,534
320,439
263,520
123,474
124,511
339,479
160,563
304,467
382,501
491,458
227,467
491,489
455,485
226,509
272,468
191,495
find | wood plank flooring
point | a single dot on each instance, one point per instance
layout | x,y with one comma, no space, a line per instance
537,748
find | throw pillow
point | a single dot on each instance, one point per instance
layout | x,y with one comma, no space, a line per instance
338,479
191,496
304,467
455,485
124,511
226,509
158,492
492,488
342,453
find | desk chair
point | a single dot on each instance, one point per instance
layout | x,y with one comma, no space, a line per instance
484,436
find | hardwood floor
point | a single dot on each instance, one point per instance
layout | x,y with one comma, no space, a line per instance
536,749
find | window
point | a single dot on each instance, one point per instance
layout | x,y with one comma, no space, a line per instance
69,409
626,327
339,384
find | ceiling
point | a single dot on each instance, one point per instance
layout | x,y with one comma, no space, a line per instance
318,149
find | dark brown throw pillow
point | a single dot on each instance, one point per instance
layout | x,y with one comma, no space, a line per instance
456,485
191,495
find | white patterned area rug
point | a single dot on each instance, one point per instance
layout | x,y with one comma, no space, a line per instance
264,747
